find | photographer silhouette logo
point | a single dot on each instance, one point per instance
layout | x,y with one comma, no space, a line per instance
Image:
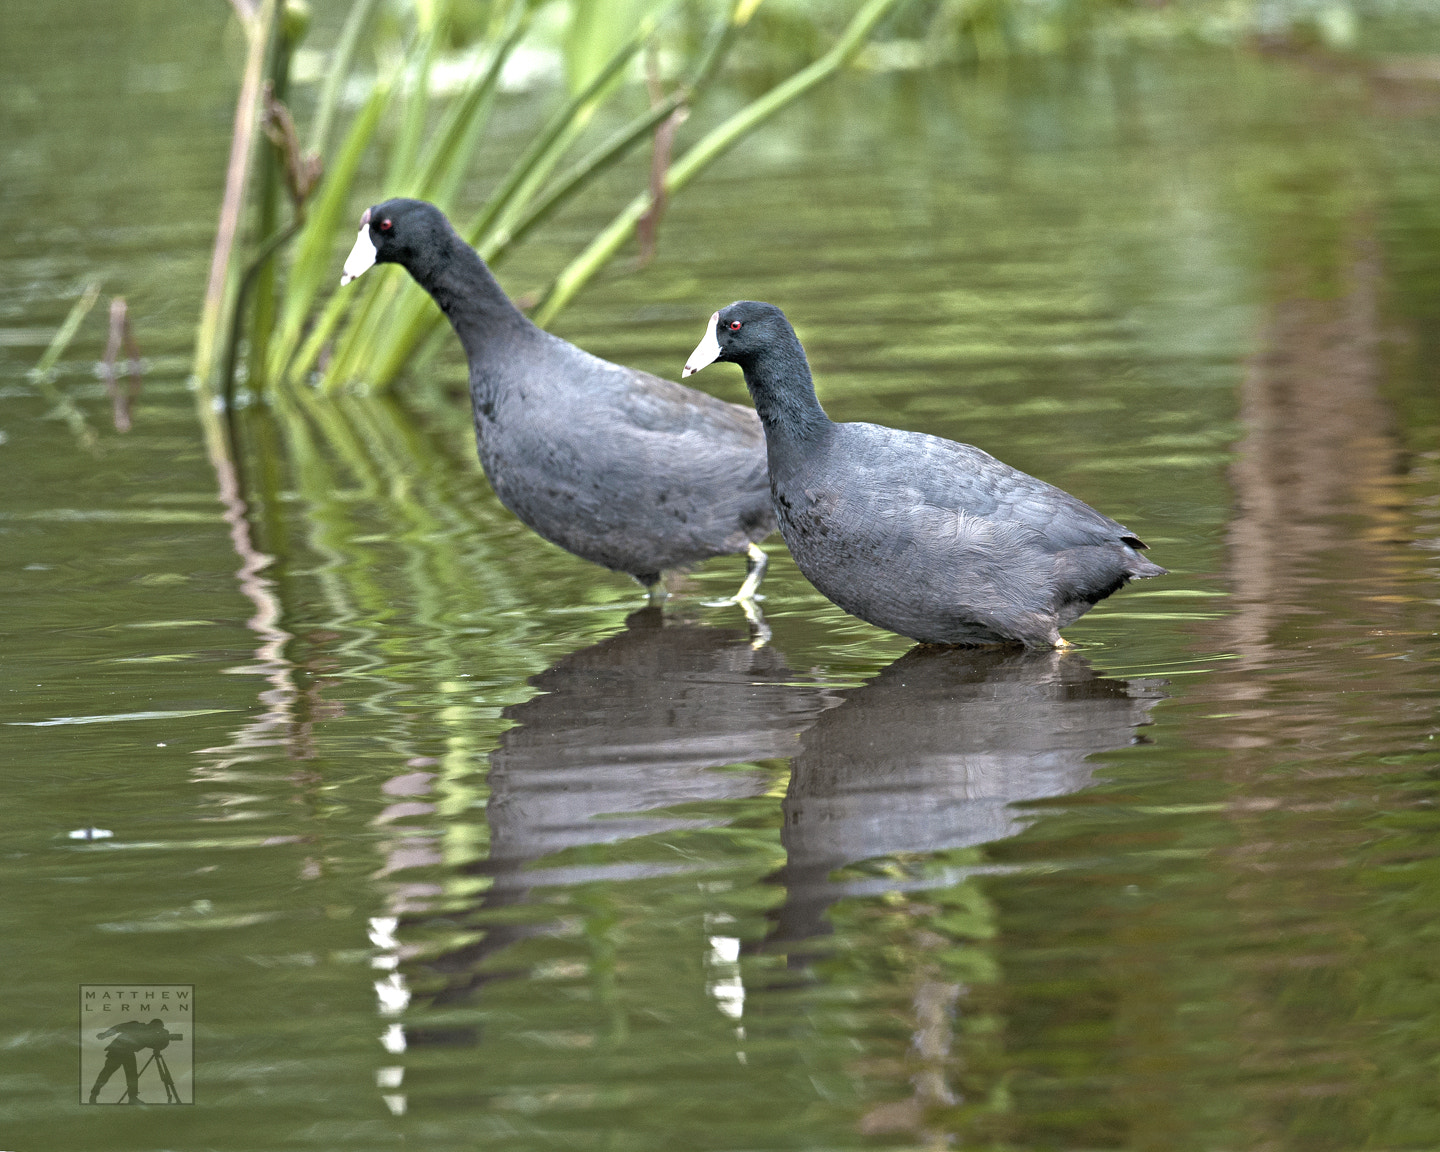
137,1044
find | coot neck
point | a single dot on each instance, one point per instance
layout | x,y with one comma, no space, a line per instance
471,298
784,393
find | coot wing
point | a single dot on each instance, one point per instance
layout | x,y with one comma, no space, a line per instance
631,471
905,470
659,405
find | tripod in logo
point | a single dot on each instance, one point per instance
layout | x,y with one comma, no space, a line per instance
132,1038
145,1032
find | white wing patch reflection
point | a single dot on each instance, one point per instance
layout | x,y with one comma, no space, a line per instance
727,986
393,1039
729,991
393,994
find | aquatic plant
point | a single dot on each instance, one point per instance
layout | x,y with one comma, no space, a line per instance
422,128
426,143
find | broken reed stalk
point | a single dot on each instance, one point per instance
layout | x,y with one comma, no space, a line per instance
301,173
275,168
121,336
65,333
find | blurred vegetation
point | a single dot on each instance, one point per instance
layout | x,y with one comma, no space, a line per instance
425,92
407,90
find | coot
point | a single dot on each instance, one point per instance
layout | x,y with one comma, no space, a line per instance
932,539
624,469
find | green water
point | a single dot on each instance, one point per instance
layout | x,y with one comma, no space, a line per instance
459,851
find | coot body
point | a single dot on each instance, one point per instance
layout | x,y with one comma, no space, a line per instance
617,466
932,539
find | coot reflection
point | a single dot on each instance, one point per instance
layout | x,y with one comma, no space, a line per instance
931,755
630,725
635,723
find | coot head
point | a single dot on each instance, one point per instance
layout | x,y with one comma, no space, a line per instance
741,332
407,232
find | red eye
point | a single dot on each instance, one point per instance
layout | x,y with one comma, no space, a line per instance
385,225
734,325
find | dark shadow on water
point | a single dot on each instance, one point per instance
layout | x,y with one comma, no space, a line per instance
931,755
635,723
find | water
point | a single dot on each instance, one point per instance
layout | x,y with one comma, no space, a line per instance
461,849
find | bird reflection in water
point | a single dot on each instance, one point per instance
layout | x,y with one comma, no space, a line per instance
632,724
932,754
928,756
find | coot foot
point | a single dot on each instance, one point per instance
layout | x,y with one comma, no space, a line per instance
756,561
759,630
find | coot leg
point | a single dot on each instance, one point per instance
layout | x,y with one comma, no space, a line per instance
756,561
657,593
759,630
755,564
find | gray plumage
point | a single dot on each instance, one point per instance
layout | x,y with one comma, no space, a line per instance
932,539
617,466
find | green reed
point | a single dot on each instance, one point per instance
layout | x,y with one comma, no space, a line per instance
298,326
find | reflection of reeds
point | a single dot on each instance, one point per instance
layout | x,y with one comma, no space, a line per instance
43,372
350,483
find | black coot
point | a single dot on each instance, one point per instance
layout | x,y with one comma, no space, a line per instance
621,468
932,539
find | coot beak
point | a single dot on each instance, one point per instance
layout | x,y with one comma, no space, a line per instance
706,352
362,256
